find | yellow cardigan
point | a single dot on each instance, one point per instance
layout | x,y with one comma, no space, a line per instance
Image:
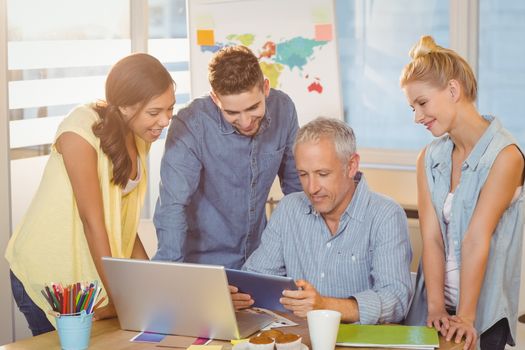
49,245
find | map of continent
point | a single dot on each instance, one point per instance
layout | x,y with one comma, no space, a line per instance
287,55
295,42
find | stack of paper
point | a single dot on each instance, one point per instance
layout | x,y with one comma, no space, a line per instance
387,336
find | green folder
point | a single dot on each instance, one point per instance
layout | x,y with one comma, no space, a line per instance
392,336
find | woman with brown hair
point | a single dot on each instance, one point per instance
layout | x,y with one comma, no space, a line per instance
89,200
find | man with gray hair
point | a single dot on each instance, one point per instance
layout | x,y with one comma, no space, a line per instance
347,247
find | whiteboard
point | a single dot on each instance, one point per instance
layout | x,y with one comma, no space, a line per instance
295,41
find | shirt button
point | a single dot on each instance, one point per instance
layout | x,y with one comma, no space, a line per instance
329,244
322,274
455,242
353,258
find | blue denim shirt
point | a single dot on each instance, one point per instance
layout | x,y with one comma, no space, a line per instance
368,258
500,290
215,182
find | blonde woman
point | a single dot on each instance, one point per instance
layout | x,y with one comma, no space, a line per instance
470,201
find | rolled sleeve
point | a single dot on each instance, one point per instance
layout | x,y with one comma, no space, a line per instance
369,304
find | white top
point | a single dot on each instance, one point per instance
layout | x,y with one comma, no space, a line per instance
132,184
451,265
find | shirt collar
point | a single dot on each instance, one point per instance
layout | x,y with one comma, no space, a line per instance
225,127
482,144
357,207
442,160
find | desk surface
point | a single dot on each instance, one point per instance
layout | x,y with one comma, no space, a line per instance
107,335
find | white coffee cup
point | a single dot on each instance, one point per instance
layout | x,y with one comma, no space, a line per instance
323,326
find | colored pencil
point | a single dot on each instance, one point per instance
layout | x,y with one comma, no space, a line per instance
72,298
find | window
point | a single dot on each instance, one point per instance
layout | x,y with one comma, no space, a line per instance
168,41
374,38
58,55
501,66
56,64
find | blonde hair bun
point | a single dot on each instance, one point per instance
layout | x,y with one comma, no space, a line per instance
424,46
439,68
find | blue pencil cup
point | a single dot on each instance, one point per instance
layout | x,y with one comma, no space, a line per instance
74,330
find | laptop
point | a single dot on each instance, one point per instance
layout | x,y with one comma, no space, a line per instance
177,298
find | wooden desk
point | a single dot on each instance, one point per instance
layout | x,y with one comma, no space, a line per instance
107,335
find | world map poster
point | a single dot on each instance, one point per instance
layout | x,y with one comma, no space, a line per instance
293,39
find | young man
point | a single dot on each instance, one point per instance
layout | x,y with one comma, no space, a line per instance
222,155
347,247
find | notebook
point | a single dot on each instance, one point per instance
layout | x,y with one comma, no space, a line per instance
177,298
387,336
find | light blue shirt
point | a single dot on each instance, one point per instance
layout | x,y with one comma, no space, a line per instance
215,182
368,258
500,291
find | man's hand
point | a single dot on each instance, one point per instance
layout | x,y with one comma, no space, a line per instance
240,300
303,300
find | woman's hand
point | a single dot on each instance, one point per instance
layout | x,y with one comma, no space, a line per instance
462,327
440,320
105,312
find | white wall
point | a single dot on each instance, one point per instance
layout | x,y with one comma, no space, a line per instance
397,184
6,321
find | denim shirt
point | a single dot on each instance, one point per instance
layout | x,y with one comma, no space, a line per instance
215,181
368,258
500,290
